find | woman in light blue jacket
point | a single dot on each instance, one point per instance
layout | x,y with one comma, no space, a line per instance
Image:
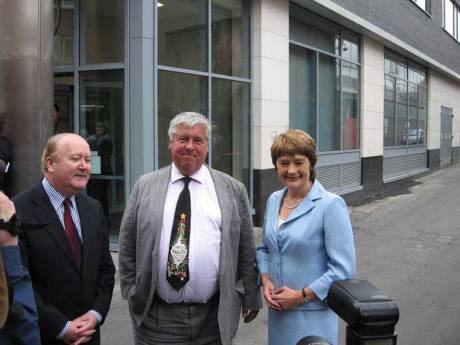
307,244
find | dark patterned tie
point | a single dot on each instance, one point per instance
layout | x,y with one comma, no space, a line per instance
72,235
177,273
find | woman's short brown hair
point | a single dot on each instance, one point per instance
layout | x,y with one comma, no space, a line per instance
295,142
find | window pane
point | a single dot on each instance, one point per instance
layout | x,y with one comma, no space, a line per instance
422,103
309,29
63,103
350,110
329,114
401,112
389,111
449,16
230,128
177,92
64,32
182,34
102,26
230,37
350,49
302,89
102,124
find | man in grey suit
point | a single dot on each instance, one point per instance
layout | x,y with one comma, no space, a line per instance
186,247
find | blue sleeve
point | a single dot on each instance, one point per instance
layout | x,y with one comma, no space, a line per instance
25,329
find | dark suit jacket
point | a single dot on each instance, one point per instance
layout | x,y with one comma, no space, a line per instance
61,292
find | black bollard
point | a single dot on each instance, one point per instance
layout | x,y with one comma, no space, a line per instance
370,314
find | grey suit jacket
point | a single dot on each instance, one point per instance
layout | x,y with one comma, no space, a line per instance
139,249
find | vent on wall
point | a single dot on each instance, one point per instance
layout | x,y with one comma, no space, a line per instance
402,165
340,176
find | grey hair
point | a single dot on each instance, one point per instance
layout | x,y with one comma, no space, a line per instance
189,119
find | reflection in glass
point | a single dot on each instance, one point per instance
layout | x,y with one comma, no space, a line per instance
329,107
401,112
302,89
182,34
102,124
449,16
230,128
230,37
64,32
177,92
350,49
389,112
102,31
63,103
350,110
309,29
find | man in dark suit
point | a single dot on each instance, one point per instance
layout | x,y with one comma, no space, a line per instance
68,258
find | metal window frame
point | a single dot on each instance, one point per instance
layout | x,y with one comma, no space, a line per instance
343,32
78,67
391,56
210,76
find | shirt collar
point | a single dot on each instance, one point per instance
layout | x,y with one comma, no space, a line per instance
55,197
198,176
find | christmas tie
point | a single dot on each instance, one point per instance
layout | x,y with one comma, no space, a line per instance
71,232
177,273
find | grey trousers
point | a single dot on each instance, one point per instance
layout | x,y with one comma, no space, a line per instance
180,324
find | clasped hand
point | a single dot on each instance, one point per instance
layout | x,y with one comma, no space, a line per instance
282,298
81,329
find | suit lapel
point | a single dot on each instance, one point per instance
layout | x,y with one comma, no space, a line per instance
46,214
308,203
88,234
223,195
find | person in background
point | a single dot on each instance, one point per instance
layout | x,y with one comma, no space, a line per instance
61,125
307,244
5,153
187,254
68,257
102,144
18,316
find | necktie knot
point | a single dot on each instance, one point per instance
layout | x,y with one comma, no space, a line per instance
67,203
186,180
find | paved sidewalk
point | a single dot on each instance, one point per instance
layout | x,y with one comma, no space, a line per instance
408,244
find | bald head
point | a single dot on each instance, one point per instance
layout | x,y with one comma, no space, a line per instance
66,163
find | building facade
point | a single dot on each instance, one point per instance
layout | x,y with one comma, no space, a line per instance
376,83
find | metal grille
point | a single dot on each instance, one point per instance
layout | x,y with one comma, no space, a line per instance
416,161
340,176
394,166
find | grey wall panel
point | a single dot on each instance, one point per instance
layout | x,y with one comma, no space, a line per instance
404,20
26,84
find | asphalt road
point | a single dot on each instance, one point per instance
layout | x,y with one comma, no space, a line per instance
407,244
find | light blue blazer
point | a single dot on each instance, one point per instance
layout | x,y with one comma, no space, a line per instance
313,247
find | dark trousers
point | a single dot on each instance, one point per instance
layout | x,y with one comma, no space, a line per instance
180,324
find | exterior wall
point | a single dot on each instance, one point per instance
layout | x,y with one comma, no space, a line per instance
406,21
442,91
26,84
270,93
372,98
141,91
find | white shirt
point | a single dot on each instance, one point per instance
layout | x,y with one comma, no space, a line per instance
205,236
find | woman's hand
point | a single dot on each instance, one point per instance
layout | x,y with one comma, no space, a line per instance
287,298
269,291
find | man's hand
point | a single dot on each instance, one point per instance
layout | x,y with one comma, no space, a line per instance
7,210
81,329
249,315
